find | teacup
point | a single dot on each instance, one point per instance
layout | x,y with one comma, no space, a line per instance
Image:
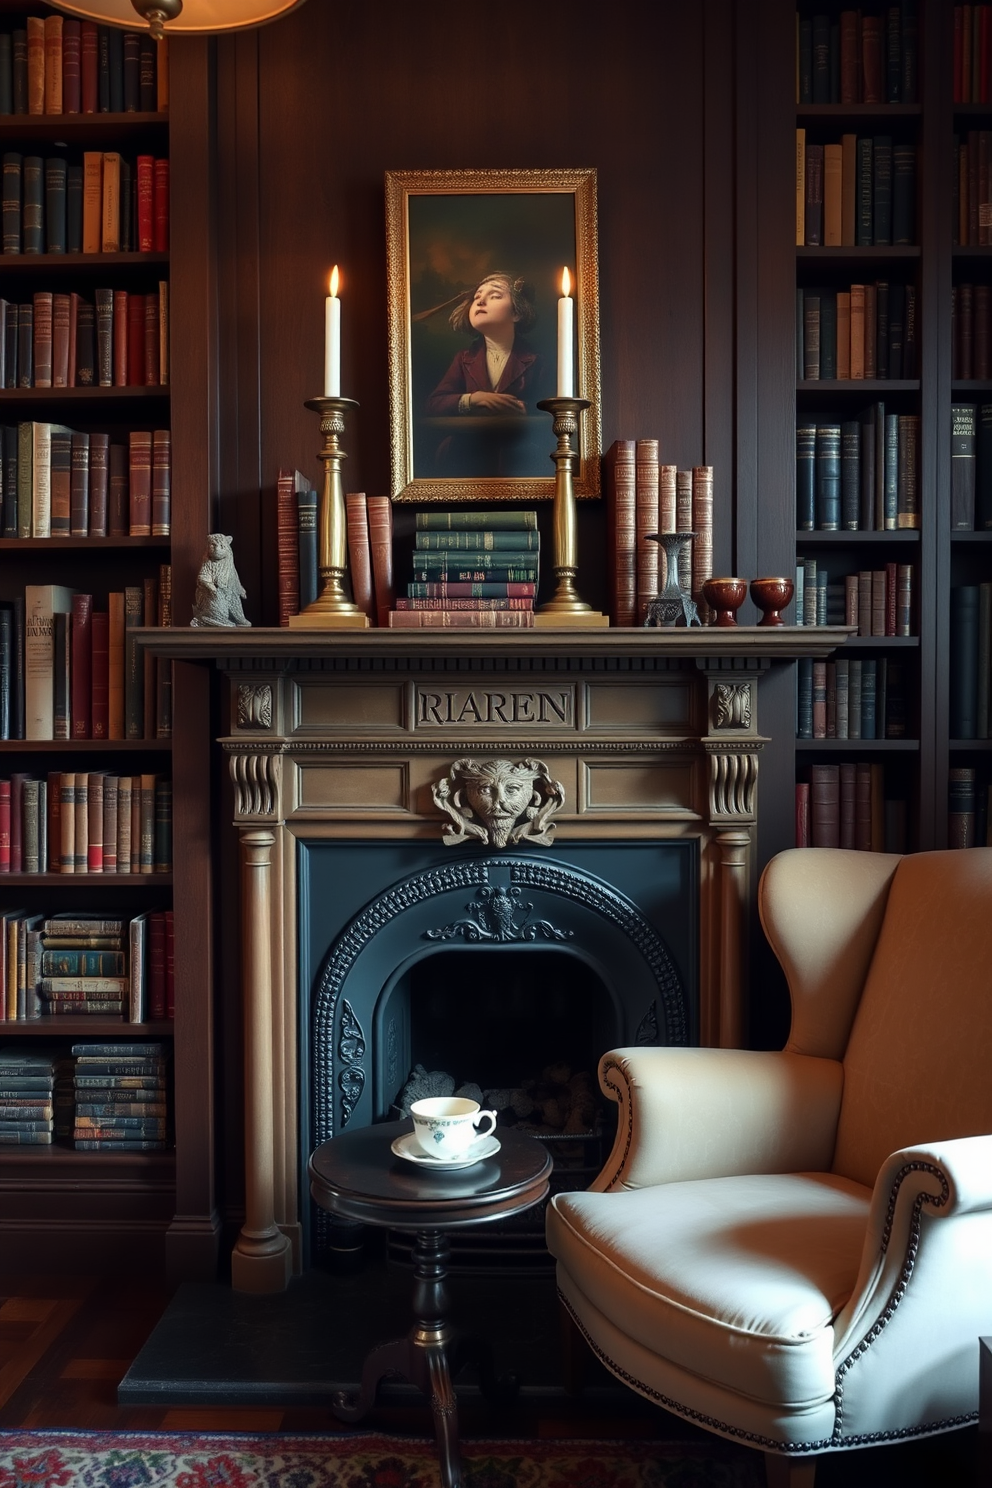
447,1126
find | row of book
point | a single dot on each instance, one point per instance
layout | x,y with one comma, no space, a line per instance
496,549
972,54
971,467
370,548
105,204
858,475
969,798
970,675
69,670
971,332
62,482
119,338
645,496
851,698
858,58
101,1096
846,805
56,64
858,193
866,331
878,601
972,195
50,965
85,822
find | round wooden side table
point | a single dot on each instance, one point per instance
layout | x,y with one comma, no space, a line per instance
356,1176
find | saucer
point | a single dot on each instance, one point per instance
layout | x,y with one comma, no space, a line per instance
407,1148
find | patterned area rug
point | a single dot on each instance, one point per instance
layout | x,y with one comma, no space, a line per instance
132,1459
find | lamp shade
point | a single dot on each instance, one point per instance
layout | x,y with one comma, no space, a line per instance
190,18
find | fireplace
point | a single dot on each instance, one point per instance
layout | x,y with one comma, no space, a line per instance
339,744
502,971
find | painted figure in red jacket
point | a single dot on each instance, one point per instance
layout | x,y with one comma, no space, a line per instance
499,377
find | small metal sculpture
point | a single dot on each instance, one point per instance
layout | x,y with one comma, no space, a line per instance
672,604
498,802
217,601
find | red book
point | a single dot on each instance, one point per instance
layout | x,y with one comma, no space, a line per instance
380,510
287,543
100,675
53,797
43,338
871,59
71,66
4,826
161,482
81,666
156,965
824,804
89,66
53,64
802,815
99,477
170,965
136,340
160,204
359,552
17,780
621,540
144,188
120,337
151,341
73,327
117,511
60,340
94,823
140,483
646,516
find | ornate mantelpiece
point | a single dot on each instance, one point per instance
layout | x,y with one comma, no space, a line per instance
653,735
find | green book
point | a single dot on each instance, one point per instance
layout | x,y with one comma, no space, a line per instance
486,518
478,541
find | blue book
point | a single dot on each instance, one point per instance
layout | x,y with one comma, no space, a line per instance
850,474
55,204
6,73
821,59
306,511
828,477
805,477
19,67
804,708
33,205
882,189
869,678
904,194
891,509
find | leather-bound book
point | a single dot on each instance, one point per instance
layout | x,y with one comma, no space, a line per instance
121,307
88,63
962,467
161,482
140,483
55,204
81,666
99,674
104,337
110,231
99,485
53,64
144,173
288,482
380,509
160,205
824,805
61,319
702,525
71,66
359,552
847,772
43,338
621,530
646,521
35,26
152,348
60,475
136,339
460,619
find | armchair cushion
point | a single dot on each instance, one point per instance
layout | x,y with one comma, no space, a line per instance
738,1279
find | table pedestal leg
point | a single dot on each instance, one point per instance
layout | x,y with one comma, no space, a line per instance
421,1357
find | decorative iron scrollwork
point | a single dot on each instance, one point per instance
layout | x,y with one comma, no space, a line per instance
498,802
499,918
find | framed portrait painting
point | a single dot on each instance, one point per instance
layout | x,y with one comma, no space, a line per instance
475,264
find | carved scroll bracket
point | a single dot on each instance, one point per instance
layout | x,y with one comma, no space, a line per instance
257,779
733,782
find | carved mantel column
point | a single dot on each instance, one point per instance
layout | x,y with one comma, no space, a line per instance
733,745
263,1259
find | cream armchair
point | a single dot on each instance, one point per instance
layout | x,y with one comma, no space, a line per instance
794,1250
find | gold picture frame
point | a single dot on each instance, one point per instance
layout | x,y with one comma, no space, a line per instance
446,231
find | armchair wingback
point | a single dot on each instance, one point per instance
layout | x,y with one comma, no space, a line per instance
794,1249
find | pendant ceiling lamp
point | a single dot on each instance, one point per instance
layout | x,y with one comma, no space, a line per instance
192,18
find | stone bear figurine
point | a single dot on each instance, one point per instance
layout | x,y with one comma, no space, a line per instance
218,589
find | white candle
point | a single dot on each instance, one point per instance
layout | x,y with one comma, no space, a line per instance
332,340
566,373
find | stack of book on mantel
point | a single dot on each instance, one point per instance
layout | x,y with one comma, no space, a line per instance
29,1084
120,1097
472,569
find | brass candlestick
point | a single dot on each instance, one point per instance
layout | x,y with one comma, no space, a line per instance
332,609
566,608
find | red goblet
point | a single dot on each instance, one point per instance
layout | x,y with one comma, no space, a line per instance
771,597
725,596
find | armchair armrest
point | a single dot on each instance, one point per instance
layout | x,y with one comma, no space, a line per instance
908,1245
709,1113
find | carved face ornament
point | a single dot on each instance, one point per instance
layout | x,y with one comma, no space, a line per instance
499,801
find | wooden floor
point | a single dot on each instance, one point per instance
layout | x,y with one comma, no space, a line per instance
65,1344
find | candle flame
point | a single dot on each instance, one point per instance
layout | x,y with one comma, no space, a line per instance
566,283
334,281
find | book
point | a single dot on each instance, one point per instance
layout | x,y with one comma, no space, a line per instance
359,551
41,603
471,589
380,512
646,521
963,466
824,805
288,484
307,504
489,519
461,619
140,483
702,545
